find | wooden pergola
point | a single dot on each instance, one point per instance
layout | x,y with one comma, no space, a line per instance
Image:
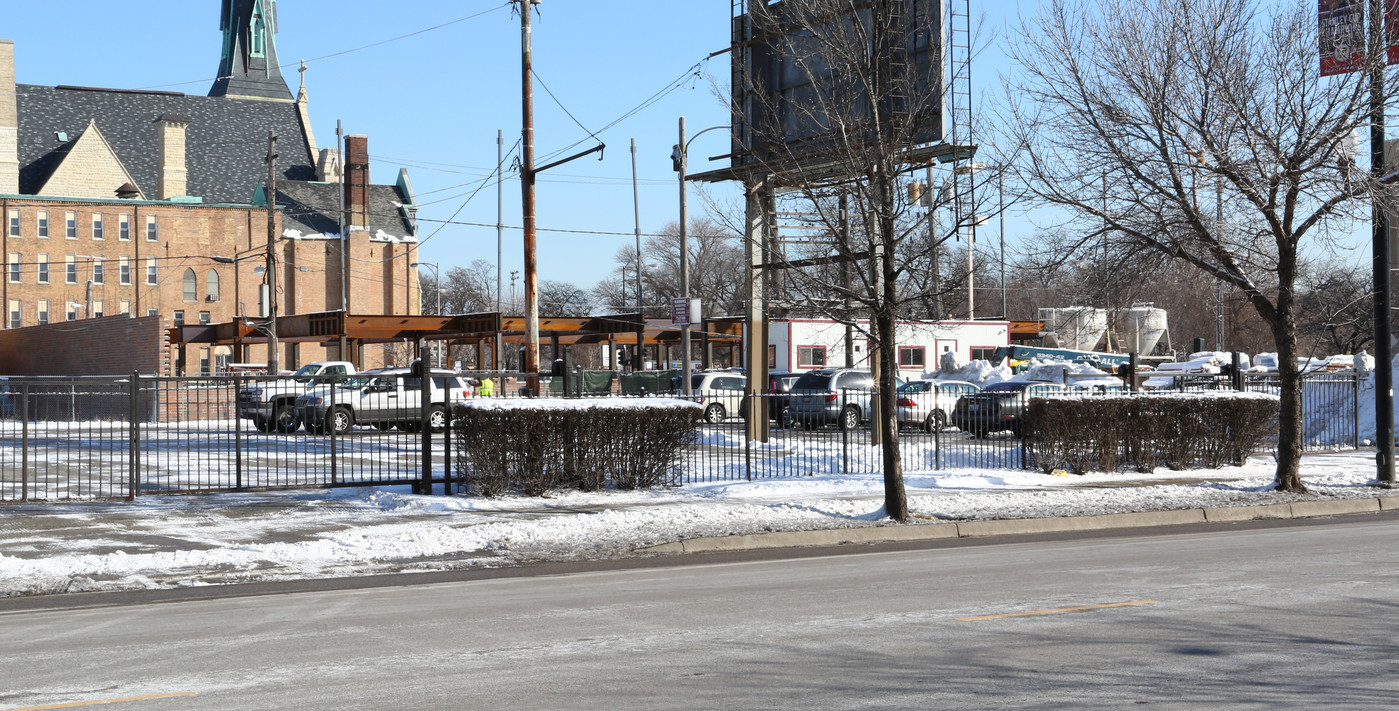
490,332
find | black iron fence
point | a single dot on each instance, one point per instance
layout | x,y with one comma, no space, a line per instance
123,437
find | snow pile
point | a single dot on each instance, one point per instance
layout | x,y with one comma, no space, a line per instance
977,372
1053,371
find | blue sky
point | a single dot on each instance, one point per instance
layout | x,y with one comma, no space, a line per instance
433,102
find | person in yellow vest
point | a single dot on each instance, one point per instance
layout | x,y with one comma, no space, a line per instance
486,389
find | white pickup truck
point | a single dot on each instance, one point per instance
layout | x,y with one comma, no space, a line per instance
271,404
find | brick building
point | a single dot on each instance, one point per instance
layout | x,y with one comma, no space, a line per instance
119,202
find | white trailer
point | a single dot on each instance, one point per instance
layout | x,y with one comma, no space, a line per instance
807,344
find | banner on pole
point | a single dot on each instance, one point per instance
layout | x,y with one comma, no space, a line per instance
1391,31
1342,35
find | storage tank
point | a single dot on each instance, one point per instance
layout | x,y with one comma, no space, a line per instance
1075,327
1143,327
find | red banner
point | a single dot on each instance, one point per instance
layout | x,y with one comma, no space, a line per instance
1341,35
1391,31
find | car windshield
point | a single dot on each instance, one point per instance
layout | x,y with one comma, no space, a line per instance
304,375
813,381
915,387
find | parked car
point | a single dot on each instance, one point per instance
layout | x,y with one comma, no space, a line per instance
719,392
383,399
780,386
1001,406
271,403
832,395
929,403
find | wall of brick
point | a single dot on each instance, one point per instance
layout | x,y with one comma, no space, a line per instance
114,345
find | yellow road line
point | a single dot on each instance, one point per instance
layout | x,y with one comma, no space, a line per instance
104,701
1057,610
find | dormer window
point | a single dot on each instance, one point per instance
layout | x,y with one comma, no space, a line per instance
257,45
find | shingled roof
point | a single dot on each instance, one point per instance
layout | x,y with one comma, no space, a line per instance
226,142
309,212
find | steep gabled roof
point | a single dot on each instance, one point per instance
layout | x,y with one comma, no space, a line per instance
226,141
309,211
85,160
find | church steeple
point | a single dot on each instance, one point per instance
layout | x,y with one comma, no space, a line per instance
248,68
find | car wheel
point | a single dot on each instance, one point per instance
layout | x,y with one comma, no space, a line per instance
341,420
936,421
849,418
436,418
784,418
262,424
714,414
286,419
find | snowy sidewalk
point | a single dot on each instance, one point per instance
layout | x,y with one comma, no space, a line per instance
161,542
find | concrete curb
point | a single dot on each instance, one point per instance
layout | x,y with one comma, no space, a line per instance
1028,526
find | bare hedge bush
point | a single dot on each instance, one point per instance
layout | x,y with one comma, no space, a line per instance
537,446
1178,430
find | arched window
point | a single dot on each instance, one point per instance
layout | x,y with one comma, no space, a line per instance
211,286
258,30
191,286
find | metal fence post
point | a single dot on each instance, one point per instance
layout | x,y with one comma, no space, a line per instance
748,453
24,443
1355,405
844,437
237,435
328,423
424,407
134,456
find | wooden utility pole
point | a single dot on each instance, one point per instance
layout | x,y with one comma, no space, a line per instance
527,176
273,363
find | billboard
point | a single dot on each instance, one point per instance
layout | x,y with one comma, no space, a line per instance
798,88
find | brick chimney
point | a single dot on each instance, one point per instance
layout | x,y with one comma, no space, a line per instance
173,177
357,182
9,121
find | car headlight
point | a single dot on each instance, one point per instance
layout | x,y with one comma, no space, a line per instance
310,400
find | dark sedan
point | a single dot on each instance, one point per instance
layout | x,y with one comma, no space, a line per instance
999,407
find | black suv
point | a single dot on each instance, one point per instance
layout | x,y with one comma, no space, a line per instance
1000,407
780,386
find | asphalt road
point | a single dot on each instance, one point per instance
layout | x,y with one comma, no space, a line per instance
1294,616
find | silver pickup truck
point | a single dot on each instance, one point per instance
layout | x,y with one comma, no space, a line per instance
271,404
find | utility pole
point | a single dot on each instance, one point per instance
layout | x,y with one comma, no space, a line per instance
1001,193
1384,374
681,150
1219,283
273,363
499,236
638,361
527,176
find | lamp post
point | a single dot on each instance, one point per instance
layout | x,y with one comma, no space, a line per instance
437,280
681,157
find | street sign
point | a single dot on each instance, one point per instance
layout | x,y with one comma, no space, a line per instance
684,312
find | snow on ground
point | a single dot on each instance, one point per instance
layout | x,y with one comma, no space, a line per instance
161,542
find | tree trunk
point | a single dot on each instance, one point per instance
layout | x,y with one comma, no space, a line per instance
886,418
1289,476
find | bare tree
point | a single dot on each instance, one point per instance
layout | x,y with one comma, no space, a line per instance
861,96
716,272
561,298
1198,129
1335,309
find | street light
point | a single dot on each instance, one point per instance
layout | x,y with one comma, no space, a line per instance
273,363
437,279
680,155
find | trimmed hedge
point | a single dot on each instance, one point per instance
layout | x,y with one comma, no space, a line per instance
539,445
1177,430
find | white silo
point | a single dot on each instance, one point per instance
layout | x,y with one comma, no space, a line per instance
1075,327
1143,327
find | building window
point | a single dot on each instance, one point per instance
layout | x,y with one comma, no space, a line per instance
70,225
43,223
179,318
99,272
14,267
126,306
97,226
70,269
152,230
124,269
203,361
152,277
72,311
191,283
811,356
43,267
258,41
985,353
43,312
205,318
14,313
124,227
14,223
221,362
912,356
152,312
97,310
211,286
